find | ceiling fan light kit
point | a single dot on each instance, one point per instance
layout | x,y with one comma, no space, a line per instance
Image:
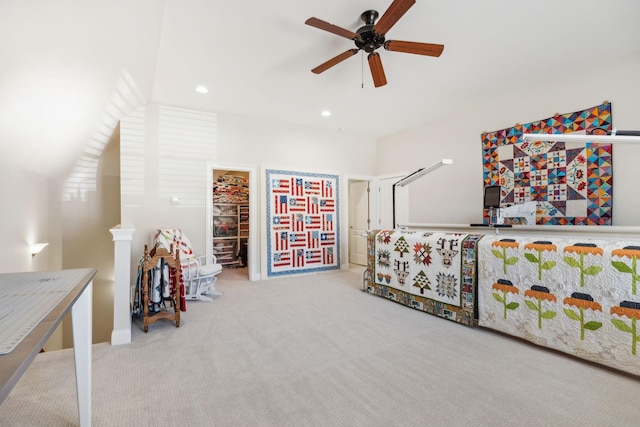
371,36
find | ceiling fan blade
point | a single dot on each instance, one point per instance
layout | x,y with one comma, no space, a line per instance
333,61
392,15
323,25
427,49
377,72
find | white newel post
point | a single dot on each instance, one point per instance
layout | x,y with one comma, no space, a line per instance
122,236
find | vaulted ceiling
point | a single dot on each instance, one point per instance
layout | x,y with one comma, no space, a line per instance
71,68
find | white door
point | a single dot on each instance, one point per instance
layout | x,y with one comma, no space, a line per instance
385,203
358,221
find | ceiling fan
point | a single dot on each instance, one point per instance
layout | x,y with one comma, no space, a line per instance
371,36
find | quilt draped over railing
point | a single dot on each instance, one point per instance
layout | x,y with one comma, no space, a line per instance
432,272
576,295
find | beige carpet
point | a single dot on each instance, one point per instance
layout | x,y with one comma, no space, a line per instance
316,351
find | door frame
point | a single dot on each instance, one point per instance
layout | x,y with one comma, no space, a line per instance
372,181
368,213
253,267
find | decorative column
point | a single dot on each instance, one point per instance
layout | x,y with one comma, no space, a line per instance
122,236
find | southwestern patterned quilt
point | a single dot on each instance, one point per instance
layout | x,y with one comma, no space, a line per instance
572,183
576,295
432,272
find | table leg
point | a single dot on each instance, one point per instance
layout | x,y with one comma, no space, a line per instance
81,319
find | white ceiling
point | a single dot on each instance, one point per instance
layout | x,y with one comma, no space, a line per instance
62,61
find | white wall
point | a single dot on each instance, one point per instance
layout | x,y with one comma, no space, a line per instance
241,141
453,194
24,219
283,146
87,242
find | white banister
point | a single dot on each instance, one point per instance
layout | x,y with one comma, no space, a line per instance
122,236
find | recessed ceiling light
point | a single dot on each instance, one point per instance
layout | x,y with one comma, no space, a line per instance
202,89
326,113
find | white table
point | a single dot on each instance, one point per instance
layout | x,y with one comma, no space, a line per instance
27,320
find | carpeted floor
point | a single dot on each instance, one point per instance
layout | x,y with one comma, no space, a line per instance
314,350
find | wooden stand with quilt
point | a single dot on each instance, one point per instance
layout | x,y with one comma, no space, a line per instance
164,262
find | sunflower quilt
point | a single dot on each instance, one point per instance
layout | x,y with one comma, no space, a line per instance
576,295
431,272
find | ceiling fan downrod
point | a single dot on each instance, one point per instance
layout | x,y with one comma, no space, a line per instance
369,17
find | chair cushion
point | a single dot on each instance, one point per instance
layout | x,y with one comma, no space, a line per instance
209,269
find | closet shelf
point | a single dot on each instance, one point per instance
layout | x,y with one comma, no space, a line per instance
230,231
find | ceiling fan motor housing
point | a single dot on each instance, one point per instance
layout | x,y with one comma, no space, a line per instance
368,40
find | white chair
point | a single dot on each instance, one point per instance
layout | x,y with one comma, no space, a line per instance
198,272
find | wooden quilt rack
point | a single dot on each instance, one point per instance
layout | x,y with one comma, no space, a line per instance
151,259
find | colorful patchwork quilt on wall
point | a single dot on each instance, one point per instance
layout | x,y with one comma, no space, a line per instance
303,228
572,182
576,295
431,272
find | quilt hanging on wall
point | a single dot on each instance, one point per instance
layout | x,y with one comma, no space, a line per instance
572,183
303,228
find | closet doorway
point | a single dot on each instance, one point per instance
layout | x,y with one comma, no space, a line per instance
232,217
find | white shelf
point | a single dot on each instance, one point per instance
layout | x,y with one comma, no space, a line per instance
565,137
228,231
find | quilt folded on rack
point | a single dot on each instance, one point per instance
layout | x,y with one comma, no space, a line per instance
432,272
576,295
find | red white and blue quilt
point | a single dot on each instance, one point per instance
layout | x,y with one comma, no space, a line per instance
303,222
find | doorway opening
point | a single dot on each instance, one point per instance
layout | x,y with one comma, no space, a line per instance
231,218
371,208
359,220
